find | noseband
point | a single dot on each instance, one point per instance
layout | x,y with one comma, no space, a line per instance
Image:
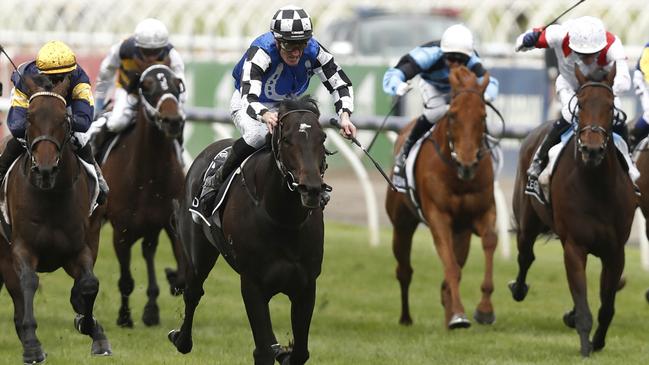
46,137
152,113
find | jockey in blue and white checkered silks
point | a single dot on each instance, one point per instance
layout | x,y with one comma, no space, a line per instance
278,65
56,61
149,45
432,62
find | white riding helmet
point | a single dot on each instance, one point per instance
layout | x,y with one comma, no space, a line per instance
587,35
151,33
457,39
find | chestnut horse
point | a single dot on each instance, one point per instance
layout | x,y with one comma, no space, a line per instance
144,175
591,209
454,186
273,222
48,202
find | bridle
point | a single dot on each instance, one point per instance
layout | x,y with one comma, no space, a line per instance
152,113
287,175
591,127
46,137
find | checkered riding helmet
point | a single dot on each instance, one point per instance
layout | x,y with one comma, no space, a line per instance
291,23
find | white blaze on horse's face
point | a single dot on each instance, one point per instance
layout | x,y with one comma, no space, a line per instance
304,129
163,81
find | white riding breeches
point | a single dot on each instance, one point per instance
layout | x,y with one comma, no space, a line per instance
642,92
253,131
123,110
435,101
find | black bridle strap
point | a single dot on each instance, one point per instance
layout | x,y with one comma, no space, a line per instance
286,174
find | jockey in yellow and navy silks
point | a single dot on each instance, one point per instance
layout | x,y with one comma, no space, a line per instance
56,61
432,62
149,45
641,83
278,65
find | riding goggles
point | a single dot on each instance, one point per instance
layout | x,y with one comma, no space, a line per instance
292,46
151,52
456,57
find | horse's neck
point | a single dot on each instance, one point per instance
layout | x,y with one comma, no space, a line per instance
601,175
151,144
281,204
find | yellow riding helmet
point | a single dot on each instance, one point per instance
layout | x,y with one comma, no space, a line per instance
55,57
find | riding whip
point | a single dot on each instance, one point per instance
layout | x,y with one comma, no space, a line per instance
335,123
559,17
394,107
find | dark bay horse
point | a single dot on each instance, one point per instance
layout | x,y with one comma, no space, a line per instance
273,221
48,203
592,203
454,180
144,175
642,163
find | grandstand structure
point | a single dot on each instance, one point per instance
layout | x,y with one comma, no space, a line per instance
209,29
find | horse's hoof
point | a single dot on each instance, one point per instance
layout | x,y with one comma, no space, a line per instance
34,356
519,292
646,295
124,319
101,348
459,321
484,318
569,318
586,349
598,344
151,315
173,336
405,321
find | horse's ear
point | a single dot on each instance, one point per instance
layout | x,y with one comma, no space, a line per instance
485,82
610,78
62,87
580,76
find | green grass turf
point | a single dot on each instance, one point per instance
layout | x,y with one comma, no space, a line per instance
356,314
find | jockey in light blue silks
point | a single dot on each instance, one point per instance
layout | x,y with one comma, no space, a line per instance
277,66
432,62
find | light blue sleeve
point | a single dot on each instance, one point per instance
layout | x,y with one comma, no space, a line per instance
391,79
426,56
491,92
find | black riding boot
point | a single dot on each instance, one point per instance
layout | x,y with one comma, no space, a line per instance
638,133
85,153
240,151
12,151
99,139
541,157
399,172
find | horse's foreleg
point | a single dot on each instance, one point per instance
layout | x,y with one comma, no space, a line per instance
612,268
82,297
13,287
529,228
301,313
440,227
196,275
484,313
26,323
256,303
151,313
176,277
125,282
575,263
404,228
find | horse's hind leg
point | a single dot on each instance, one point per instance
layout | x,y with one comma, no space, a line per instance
612,268
203,262
82,297
529,228
125,282
176,278
484,313
256,303
575,263
151,313
404,226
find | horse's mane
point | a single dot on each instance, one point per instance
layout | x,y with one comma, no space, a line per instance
306,102
597,75
43,82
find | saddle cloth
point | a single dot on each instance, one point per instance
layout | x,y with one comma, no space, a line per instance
496,158
555,152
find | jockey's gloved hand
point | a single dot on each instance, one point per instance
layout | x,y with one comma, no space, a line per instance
392,79
527,41
402,89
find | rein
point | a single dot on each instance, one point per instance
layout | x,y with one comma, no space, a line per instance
591,127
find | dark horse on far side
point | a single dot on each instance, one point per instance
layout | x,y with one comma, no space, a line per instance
144,174
591,208
48,202
273,222
454,186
